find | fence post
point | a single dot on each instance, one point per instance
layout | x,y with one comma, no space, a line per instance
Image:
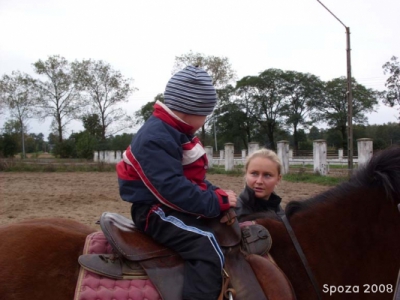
340,154
365,150
96,156
319,155
209,154
221,154
253,146
283,154
229,156
117,156
243,153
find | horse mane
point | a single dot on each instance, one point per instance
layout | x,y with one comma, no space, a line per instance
382,171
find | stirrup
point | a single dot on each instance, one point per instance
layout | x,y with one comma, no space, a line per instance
226,291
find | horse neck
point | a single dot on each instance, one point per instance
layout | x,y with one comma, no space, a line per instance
347,239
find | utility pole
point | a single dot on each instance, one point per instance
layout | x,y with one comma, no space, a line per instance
349,95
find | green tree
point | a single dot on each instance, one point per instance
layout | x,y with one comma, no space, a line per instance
219,68
59,97
392,84
105,88
146,110
52,138
121,142
13,129
18,94
301,90
334,138
92,125
85,145
8,145
267,100
231,119
35,143
314,133
332,107
236,114
65,149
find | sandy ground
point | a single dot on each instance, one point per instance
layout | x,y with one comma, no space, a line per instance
85,196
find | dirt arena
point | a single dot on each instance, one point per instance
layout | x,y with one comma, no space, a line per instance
85,196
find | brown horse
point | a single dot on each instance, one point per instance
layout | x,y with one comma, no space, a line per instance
349,234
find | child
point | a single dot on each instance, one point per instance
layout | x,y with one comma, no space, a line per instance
163,175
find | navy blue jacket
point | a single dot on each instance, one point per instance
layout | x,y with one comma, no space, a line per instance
166,164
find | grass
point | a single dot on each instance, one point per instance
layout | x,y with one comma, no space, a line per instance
294,177
309,166
314,178
237,171
70,165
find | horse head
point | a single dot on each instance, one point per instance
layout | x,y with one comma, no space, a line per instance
349,234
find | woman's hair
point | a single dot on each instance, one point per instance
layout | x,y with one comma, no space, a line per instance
264,153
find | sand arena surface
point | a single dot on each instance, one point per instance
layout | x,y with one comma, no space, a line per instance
84,196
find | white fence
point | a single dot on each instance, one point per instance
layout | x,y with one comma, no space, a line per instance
107,156
226,158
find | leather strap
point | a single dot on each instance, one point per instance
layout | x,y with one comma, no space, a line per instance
282,215
229,217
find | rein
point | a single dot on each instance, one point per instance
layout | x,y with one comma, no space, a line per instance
282,215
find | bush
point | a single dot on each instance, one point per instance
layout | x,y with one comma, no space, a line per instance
8,145
65,149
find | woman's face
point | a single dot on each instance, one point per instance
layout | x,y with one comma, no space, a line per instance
262,176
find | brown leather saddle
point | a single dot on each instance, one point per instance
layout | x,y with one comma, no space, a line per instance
138,256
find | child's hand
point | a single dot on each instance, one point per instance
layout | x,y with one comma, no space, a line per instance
231,198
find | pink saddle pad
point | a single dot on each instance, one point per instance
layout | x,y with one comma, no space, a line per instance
91,286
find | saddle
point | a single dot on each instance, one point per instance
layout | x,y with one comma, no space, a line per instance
138,256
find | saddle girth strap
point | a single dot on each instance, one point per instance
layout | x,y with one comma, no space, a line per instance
282,215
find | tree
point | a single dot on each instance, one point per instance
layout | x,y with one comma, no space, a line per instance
392,67
18,94
332,107
8,145
231,118
92,125
85,145
2,105
267,96
35,143
314,133
301,90
106,88
239,112
59,97
219,68
146,110
121,142
52,138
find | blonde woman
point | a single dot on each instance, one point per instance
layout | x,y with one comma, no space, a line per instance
262,175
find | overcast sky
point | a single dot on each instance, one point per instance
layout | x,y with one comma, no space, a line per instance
142,38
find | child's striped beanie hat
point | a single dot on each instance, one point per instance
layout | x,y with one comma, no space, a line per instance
191,91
